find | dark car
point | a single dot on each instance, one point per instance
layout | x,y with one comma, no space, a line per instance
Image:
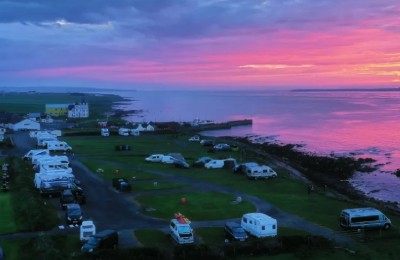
234,232
106,239
66,197
73,214
121,184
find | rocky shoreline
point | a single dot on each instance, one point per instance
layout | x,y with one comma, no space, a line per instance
340,189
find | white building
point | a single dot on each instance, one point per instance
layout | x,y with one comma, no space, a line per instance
26,124
78,110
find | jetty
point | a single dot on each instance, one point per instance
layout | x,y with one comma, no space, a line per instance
222,125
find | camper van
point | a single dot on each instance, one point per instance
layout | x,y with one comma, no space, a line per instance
260,172
364,218
124,131
154,158
87,230
180,229
58,146
105,132
28,155
259,225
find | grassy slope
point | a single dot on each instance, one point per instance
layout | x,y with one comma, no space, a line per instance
7,223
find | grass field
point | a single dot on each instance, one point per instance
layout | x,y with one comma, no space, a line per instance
284,191
7,223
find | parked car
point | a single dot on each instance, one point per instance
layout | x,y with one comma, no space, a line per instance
103,240
234,232
66,197
73,214
181,164
206,142
201,161
222,147
194,138
121,184
154,158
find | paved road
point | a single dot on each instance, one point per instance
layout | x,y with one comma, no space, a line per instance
111,209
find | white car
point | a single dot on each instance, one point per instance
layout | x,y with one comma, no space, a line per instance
194,138
222,147
154,158
215,164
168,159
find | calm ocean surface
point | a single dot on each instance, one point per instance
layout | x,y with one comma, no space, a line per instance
364,123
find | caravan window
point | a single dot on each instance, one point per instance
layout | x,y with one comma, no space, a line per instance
365,219
245,220
262,227
273,226
250,221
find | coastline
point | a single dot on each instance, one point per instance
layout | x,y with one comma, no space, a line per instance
340,189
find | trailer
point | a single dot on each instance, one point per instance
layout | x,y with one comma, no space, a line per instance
259,225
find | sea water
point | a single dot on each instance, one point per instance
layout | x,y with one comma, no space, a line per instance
357,123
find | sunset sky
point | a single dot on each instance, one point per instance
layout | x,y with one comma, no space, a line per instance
200,44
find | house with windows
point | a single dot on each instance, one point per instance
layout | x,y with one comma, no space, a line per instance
78,110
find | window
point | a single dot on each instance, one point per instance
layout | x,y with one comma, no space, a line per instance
245,220
262,227
364,219
273,226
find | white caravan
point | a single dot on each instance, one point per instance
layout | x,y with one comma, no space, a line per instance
180,230
218,164
259,225
37,156
48,168
31,153
42,178
124,131
105,132
260,172
58,146
59,161
87,230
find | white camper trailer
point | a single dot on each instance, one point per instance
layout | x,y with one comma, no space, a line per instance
48,168
42,178
58,161
259,225
58,146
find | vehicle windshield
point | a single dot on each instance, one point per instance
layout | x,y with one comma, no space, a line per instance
75,212
93,241
184,229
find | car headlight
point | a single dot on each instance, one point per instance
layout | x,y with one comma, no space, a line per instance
91,250
68,218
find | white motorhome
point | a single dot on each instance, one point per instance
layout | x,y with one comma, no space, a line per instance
105,132
364,218
49,168
87,230
259,225
180,230
31,153
124,131
135,132
217,164
58,146
260,172
60,175
36,133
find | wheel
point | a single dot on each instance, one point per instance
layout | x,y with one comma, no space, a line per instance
386,226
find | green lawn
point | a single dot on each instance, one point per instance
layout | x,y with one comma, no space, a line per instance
199,205
153,238
7,223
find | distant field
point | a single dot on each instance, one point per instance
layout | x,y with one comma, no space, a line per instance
7,223
23,103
